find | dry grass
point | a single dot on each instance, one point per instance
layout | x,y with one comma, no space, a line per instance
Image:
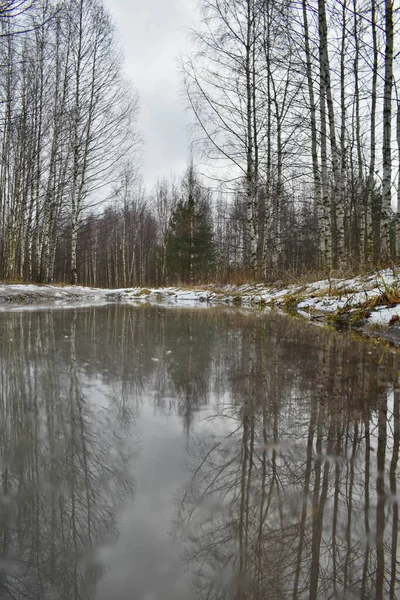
390,296
15,281
143,292
239,277
308,277
377,327
281,280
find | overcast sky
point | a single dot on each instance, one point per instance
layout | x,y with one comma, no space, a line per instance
152,34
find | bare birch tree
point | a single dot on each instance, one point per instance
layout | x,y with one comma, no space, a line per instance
387,132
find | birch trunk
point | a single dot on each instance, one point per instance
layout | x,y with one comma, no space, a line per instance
327,254
75,208
250,164
52,196
267,215
314,130
387,130
123,248
82,134
360,205
337,236
398,181
373,227
343,150
277,216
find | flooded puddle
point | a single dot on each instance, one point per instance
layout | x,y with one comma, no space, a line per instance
165,454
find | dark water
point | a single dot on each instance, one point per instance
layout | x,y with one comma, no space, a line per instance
155,454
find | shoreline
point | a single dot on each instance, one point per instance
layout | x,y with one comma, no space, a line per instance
367,304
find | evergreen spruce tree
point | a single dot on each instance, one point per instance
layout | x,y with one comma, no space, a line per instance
190,254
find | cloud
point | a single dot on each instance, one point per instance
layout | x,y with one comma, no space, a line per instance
152,35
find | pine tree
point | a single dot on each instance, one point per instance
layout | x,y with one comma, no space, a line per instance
190,254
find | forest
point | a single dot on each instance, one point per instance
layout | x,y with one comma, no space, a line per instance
293,156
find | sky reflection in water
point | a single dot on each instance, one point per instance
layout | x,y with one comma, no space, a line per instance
154,453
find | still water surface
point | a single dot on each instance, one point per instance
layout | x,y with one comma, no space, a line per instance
164,454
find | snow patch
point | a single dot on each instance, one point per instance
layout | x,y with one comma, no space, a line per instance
327,296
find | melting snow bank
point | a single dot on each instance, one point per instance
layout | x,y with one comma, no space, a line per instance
370,303
13,297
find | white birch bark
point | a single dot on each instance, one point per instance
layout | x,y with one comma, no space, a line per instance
360,204
268,136
398,181
337,236
387,132
372,220
251,191
327,254
313,127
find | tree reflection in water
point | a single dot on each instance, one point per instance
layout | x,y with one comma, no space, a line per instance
298,498
63,470
293,475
